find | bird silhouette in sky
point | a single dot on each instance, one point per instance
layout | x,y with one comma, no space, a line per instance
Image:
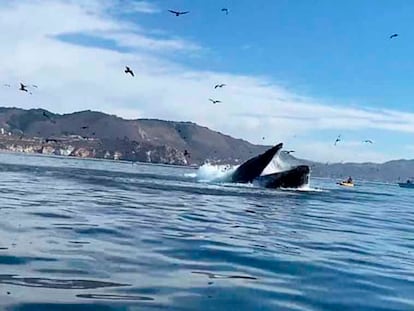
219,85
128,70
225,10
48,117
214,101
395,35
178,13
368,141
338,139
23,88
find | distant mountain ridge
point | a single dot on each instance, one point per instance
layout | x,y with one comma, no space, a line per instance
392,171
148,140
99,135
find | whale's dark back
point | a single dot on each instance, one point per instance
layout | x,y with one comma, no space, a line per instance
252,168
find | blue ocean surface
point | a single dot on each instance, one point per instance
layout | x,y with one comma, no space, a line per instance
101,235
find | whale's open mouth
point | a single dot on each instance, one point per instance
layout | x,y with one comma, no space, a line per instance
252,169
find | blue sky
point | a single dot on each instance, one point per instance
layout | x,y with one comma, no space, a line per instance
301,72
331,49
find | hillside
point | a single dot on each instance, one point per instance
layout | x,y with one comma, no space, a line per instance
392,171
99,135
96,134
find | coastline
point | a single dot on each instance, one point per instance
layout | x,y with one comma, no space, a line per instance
69,157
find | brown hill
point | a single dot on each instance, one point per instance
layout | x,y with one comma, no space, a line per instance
145,140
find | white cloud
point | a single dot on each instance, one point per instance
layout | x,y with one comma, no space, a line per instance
352,151
145,7
141,41
72,77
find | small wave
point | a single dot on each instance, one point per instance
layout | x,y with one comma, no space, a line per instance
114,297
308,188
55,283
191,175
211,275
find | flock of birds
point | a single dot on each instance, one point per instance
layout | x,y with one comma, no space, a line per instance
129,71
366,141
338,139
215,101
28,88
23,87
178,13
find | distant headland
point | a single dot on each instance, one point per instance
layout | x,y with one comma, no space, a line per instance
92,134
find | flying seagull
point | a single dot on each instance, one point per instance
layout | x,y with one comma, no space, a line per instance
225,10
338,139
288,151
369,141
84,127
177,13
214,101
47,116
219,85
128,70
394,35
23,87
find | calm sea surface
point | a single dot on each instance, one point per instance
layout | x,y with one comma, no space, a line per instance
100,235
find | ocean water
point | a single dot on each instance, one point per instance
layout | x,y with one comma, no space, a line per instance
100,235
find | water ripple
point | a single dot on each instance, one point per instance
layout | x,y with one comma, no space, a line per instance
55,283
101,235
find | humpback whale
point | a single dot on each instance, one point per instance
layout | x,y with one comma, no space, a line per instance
251,172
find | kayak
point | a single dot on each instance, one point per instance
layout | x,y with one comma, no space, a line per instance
346,184
406,185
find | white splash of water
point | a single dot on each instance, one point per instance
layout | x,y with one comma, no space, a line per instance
308,188
216,173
